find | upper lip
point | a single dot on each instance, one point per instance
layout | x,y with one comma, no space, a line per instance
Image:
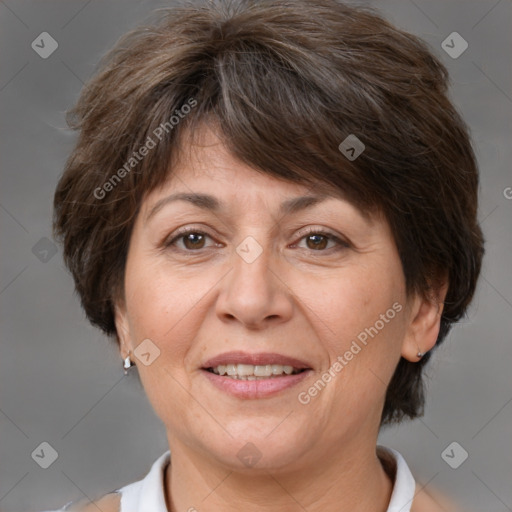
258,359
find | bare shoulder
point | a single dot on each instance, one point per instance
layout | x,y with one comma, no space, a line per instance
432,501
108,503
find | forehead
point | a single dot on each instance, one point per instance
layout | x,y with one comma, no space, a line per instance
203,165
205,158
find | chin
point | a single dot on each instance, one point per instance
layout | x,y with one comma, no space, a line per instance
269,447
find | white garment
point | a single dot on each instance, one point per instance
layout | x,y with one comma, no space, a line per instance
148,494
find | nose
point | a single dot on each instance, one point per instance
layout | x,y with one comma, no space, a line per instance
254,294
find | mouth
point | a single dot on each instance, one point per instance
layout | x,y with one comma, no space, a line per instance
260,375
254,372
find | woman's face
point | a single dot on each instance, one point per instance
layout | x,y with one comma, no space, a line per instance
263,286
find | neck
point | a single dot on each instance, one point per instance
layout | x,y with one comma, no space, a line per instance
349,480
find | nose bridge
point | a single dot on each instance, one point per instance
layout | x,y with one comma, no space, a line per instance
252,292
251,274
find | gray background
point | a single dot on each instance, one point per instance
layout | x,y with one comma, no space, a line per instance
62,381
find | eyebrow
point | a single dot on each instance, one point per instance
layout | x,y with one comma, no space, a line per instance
211,203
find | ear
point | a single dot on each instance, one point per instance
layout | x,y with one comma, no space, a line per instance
424,323
123,329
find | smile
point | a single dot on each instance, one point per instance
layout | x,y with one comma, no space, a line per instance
250,376
254,372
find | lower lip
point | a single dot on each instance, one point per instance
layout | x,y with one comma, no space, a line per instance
262,388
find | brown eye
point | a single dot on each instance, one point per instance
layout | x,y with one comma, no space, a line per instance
191,240
317,241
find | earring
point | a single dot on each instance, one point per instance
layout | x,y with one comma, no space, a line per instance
420,354
127,363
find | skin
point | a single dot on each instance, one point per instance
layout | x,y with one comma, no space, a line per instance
198,298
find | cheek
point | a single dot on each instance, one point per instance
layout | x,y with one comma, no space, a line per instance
363,348
163,307
151,293
159,304
355,303
366,327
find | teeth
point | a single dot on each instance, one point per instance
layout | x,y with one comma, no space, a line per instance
263,371
252,372
244,370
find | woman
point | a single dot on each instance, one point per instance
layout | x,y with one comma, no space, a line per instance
271,208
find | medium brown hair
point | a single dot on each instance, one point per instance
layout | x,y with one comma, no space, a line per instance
284,83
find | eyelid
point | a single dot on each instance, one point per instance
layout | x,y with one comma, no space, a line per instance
317,230
181,232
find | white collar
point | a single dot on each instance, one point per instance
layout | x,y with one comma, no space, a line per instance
148,493
404,486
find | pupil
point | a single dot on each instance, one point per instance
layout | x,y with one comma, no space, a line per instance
190,237
321,245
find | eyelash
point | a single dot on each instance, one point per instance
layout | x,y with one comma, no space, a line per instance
181,233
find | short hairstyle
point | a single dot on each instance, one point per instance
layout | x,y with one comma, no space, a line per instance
284,83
